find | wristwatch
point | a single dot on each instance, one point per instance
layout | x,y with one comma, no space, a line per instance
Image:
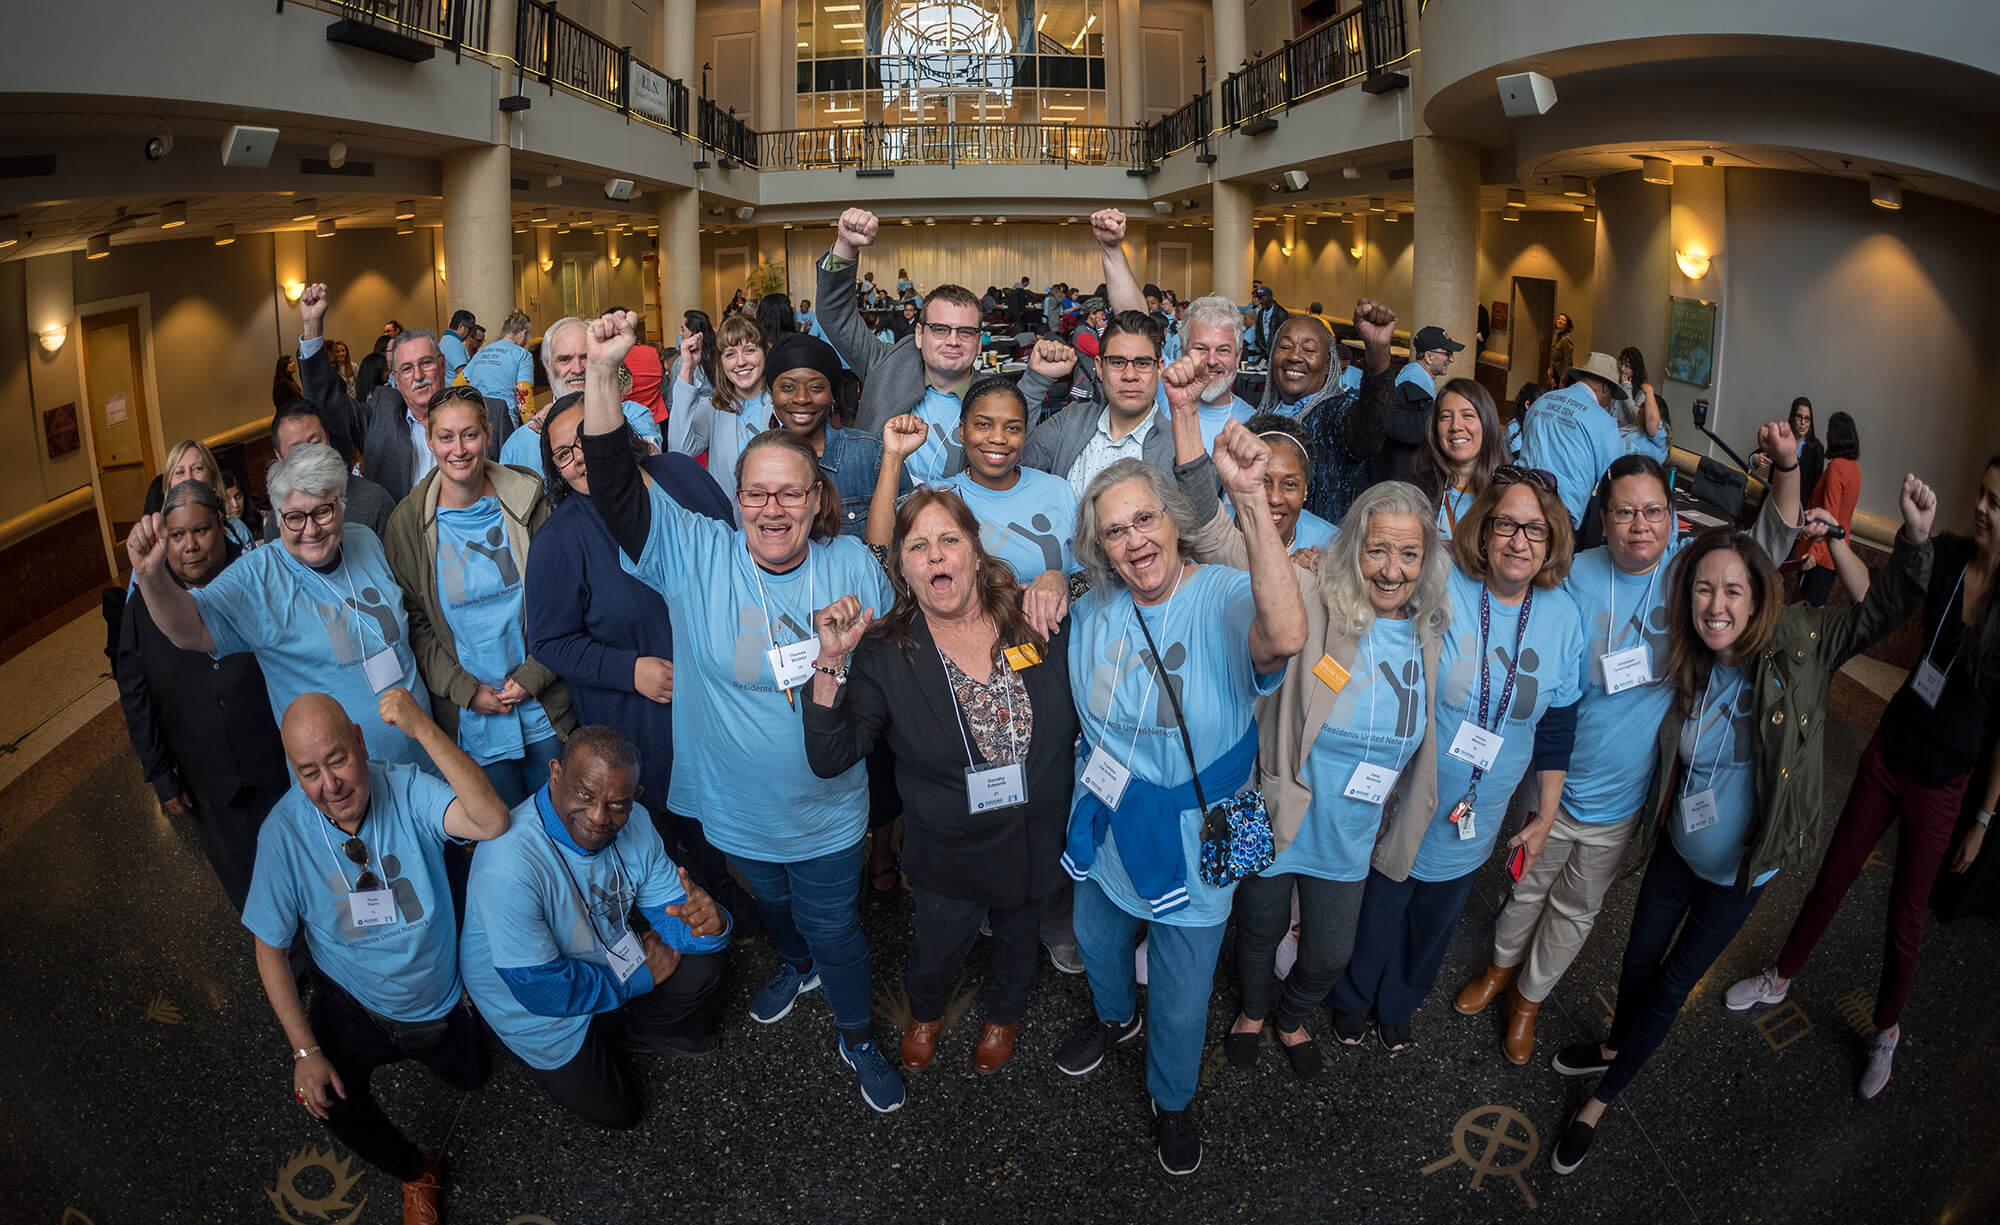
1985,819
308,1052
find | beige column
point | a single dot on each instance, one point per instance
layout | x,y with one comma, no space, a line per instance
1131,73
680,254
1445,265
478,234
772,61
677,57
1231,41
1232,258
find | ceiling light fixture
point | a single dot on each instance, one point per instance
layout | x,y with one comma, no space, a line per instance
1375,205
1516,198
405,227
1590,213
225,234
324,229
10,231
336,153
173,216
97,246
1884,192
305,210
406,209
1574,187
1657,170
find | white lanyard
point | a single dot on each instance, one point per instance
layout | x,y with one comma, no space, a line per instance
352,603
1949,607
763,598
1615,630
1700,713
1000,673
1152,674
339,861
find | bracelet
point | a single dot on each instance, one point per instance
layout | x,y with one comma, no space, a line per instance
306,1053
1793,468
839,674
1985,819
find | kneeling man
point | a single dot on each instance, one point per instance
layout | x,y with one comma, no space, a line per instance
552,954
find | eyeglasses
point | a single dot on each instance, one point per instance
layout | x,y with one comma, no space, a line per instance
565,453
1536,532
321,516
471,395
944,331
1143,523
1515,474
1118,365
423,363
1623,515
757,499
357,853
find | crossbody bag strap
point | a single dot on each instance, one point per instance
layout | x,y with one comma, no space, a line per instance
1180,720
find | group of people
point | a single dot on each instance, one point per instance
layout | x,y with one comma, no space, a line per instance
1156,663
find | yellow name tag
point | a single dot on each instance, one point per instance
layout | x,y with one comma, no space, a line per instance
1023,656
1331,673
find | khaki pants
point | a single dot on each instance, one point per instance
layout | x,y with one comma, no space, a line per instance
1556,902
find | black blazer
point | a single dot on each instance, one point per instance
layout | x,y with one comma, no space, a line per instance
901,697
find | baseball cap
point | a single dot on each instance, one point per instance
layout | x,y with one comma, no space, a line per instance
1434,338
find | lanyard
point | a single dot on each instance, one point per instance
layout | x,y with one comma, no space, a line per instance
583,901
1513,663
1001,673
1701,712
771,622
1950,605
1152,675
352,603
338,861
1616,631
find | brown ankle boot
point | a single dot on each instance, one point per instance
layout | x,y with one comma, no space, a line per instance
1518,1043
920,1044
1480,991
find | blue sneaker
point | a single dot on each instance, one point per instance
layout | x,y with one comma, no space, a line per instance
881,1087
774,1000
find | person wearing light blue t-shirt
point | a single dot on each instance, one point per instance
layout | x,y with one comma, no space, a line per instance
451,345
1507,684
1620,591
354,854
1287,478
503,365
323,613
1572,433
721,423
1163,648
551,956
744,603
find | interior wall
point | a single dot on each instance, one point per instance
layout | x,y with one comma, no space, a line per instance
732,78
1560,247
1888,316
1634,255
374,276
49,293
22,451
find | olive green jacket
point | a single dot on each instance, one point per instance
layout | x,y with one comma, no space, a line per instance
411,543
1791,676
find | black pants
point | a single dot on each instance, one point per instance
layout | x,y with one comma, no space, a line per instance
228,837
356,1042
596,1085
945,930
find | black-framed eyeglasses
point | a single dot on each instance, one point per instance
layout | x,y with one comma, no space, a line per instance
944,331
1655,514
357,854
322,515
1118,365
757,499
565,453
1537,532
1517,474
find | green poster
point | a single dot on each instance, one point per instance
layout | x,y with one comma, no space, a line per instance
1691,341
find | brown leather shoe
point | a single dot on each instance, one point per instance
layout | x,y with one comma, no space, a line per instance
1519,1041
920,1044
420,1198
1480,991
996,1047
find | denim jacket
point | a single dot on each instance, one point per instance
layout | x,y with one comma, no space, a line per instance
852,461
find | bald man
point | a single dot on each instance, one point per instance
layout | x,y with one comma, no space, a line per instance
355,853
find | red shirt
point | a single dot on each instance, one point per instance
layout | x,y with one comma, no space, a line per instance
644,363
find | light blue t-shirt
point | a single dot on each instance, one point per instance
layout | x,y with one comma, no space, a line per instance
1029,526
1451,508
523,448
1414,372
406,970
695,425
1350,376
1213,416
1548,676
524,907
499,368
1718,753
941,411
453,351
1204,638
1612,765
748,782
479,589
1379,715
313,632
1568,433
1310,532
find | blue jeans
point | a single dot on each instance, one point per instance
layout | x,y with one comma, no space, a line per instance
811,909
520,777
1660,967
1180,976
1399,944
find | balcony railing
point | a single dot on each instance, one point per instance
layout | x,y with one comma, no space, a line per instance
448,23
557,51
1184,127
729,136
872,146
1360,44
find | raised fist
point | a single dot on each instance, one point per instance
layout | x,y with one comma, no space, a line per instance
856,229
1376,323
1240,459
610,338
1107,225
1775,439
1052,359
901,436
1184,379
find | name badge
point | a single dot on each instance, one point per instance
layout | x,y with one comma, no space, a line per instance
627,956
1928,681
383,669
792,664
1698,811
1627,669
1476,745
1105,777
1370,784
1331,674
371,907
1023,656
999,787
1466,832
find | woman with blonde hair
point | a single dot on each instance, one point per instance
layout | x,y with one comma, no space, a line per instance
191,460
738,410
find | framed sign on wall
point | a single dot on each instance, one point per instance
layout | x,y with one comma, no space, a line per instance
1691,341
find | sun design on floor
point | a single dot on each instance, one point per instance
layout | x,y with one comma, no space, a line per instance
297,1207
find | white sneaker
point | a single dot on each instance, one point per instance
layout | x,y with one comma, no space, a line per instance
1876,1074
1751,992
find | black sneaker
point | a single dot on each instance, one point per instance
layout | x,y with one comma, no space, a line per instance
1083,1050
1570,1151
1349,1029
1395,1038
1178,1134
1580,1059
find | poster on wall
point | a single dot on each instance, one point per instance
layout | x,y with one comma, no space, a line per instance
60,431
1691,341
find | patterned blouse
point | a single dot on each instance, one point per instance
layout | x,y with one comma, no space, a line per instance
985,710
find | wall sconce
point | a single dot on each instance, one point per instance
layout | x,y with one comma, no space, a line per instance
1694,264
52,338
1357,251
615,261
440,272
293,289
548,265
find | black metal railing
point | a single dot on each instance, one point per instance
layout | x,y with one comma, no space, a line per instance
654,96
557,51
1181,128
875,145
1356,45
449,23
729,136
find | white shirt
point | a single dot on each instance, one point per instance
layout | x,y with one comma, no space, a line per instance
422,461
1102,451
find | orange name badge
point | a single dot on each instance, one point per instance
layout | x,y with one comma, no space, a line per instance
1331,673
1023,656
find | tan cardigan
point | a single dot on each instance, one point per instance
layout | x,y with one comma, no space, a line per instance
1289,720
411,543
